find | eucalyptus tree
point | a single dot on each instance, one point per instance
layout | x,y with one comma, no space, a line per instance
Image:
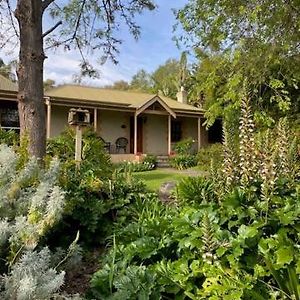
141,81
73,24
165,78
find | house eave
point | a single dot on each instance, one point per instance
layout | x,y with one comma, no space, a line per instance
8,95
12,96
189,112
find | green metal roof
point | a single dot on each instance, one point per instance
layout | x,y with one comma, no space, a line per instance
7,85
107,96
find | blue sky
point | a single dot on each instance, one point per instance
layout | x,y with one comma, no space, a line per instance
153,48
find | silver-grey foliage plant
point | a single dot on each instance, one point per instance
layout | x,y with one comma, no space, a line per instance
31,202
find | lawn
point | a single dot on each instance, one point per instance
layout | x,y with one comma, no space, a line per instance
154,179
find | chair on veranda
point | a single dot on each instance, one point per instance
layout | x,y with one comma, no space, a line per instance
106,145
121,144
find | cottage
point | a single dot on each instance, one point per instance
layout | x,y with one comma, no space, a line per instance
129,123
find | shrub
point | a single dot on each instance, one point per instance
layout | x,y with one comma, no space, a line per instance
31,203
62,146
240,243
33,277
134,166
125,273
9,137
183,161
184,147
86,198
94,157
208,154
183,158
122,191
196,191
151,160
148,163
92,205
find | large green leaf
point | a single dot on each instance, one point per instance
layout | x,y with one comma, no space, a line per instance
284,255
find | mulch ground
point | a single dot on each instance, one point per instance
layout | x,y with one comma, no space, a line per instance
78,281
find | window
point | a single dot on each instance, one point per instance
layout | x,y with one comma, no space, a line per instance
176,131
9,118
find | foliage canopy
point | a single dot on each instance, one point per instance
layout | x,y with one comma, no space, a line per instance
240,41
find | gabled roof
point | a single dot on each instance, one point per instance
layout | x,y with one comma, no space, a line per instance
7,85
114,97
148,103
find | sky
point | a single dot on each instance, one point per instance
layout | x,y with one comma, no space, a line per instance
152,49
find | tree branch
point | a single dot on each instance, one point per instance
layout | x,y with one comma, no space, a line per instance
11,18
79,18
51,29
46,3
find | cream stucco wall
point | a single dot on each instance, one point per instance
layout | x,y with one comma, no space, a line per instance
109,126
190,129
110,123
59,119
156,135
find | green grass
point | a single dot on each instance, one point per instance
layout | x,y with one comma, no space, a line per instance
154,179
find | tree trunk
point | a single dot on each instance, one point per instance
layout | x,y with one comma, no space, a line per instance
30,76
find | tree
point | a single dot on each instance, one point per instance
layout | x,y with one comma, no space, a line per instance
165,78
141,81
49,84
120,85
224,24
79,24
183,71
6,70
256,41
171,76
273,81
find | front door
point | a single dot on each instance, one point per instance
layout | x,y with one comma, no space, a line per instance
140,122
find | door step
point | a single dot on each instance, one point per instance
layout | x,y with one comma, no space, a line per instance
163,161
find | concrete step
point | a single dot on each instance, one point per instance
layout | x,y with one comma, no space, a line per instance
162,158
160,166
163,161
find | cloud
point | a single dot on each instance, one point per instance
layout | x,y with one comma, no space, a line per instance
153,48
62,66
